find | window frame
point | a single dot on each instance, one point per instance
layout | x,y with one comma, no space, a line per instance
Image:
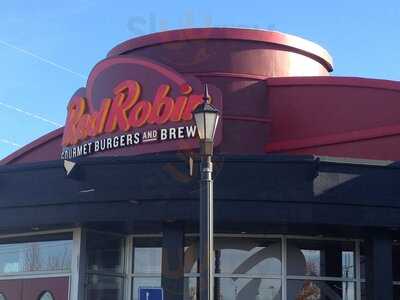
129,274
73,275
10,239
284,277
122,275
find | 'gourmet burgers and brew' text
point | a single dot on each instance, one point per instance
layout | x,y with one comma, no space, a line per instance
129,140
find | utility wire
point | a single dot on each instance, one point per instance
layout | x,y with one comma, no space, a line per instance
42,59
33,115
5,141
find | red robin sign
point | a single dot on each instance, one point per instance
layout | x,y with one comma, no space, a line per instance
134,106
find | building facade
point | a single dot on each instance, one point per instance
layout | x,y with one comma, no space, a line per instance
306,179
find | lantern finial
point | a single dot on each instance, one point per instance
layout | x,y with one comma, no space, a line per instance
206,95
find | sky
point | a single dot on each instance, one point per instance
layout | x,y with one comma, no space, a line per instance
47,47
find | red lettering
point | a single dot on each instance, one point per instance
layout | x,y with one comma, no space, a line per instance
181,102
76,108
162,107
125,110
126,94
82,127
99,118
179,107
139,115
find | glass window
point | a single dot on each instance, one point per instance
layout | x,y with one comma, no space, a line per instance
105,252
248,288
190,288
320,258
144,282
147,253
191,255
104,287
363,260
105,264
46,296
248,256
35,256
251,268
147,257
320,290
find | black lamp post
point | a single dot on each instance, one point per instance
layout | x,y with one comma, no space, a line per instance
206,118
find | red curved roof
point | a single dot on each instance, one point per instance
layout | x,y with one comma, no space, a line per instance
47,147
331,116
272,37
335,116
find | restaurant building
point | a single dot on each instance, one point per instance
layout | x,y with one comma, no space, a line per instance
306,181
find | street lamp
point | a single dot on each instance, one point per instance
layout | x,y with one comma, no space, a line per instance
206,118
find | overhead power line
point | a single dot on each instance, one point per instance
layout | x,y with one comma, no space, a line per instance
42,59
8,142
33,115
